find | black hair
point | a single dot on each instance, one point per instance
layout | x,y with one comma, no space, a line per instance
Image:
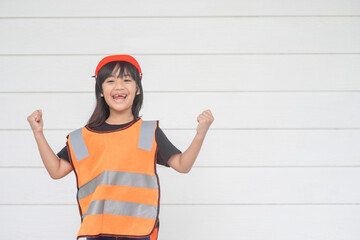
102,111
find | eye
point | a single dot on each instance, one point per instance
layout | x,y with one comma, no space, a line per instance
109,81
127,80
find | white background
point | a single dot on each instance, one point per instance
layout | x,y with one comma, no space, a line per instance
282,78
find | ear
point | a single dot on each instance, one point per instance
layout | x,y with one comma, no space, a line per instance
137,91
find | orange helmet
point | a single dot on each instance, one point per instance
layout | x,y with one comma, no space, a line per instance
112,58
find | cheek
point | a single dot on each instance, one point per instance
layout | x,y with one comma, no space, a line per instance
107,94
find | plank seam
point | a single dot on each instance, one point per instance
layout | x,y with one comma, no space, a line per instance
205,91
182,54
211,129
182,17
239,166
197,204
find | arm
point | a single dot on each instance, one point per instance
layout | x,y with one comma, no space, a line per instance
183,162
57,168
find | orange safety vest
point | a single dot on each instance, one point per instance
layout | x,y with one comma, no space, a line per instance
118,187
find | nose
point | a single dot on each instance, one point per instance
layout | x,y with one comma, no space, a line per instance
119,83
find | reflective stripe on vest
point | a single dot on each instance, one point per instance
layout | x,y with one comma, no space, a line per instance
122,208
118,178
146,135
110,198
78,144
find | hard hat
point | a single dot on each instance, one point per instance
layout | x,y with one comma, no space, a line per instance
112,58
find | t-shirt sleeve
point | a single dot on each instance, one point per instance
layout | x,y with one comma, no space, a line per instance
165,148
64,154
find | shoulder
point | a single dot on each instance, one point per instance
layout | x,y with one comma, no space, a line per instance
75,131
150,124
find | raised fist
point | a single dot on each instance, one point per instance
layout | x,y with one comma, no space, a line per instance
205,119
35,120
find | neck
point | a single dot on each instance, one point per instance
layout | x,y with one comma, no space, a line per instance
119,118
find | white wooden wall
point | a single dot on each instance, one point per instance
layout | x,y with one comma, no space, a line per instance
282,159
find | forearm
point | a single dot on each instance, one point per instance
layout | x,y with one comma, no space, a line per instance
50,160
184,162
187,159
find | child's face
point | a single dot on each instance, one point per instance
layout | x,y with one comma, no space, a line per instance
119,92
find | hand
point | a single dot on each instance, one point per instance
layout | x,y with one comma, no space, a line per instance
36,121
205,119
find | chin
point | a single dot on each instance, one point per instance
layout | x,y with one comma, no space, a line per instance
121,109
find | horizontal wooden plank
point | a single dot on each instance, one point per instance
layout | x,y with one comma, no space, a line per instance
199,222
264,222
40,222
190,73
231,110
122,8
203,186
180,35
256,148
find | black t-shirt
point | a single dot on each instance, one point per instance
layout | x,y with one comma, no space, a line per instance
165,148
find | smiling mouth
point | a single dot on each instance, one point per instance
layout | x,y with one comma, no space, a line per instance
119,97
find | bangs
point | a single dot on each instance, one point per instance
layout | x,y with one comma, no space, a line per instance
124,71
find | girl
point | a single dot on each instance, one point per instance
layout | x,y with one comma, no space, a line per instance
114,156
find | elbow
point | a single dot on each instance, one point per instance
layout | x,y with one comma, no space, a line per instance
185,170
178,164
182,170
54,176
